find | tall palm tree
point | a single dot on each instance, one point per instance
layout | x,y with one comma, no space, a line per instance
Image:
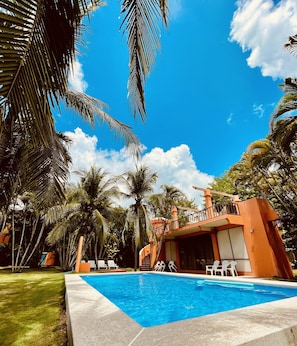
86,212
138,184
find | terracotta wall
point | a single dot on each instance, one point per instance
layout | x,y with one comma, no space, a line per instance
258,216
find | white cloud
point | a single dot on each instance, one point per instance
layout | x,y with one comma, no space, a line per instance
175,167
262,28
76,77
229,119
258,110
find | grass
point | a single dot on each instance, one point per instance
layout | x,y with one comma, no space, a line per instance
32,308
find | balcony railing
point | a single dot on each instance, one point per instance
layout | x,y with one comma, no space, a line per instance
218,209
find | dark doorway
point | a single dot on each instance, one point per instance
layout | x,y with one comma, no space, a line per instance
195,252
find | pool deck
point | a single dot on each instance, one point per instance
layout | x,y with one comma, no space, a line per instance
92,320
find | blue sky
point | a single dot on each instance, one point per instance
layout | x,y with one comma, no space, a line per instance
209,95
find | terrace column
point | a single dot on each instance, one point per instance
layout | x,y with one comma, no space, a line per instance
208,202
175,223
236,199
78,256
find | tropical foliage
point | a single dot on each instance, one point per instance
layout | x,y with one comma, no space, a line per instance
86,212
38,45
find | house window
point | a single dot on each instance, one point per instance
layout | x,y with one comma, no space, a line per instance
195,252
232,247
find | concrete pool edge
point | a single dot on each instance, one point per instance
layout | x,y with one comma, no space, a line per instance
94,320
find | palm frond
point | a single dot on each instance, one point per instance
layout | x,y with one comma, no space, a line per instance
37,46
140,24
58,212
291,45
48,171
288,102
92,109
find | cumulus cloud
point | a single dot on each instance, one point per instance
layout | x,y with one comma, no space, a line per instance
76,77
262,28
175,167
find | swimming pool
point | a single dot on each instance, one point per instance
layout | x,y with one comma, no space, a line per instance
152,299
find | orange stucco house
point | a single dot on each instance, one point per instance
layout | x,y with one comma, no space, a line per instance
243,231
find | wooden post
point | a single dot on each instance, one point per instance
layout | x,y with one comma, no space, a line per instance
78,256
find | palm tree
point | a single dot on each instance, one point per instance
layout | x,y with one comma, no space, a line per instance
162,203
138,184
86,212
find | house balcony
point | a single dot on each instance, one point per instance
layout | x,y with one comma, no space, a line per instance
206,220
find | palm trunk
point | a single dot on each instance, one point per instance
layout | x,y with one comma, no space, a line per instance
135,256
12,243
34,226
21,241
25,261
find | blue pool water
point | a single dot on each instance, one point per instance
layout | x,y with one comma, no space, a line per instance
152,299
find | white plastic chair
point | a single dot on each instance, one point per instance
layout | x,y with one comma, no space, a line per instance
171,266
112,265
157,266
223,270
102,264
162,266
212,268
232,269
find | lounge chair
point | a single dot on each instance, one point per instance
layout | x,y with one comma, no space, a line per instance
232,268
212,268
102,264
112,265
92,264
172,267
223,268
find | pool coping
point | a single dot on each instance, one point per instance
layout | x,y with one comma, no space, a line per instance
93,320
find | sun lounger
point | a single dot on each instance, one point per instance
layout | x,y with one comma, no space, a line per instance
112,265
102,264
92,264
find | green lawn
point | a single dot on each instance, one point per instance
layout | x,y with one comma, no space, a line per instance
32,308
